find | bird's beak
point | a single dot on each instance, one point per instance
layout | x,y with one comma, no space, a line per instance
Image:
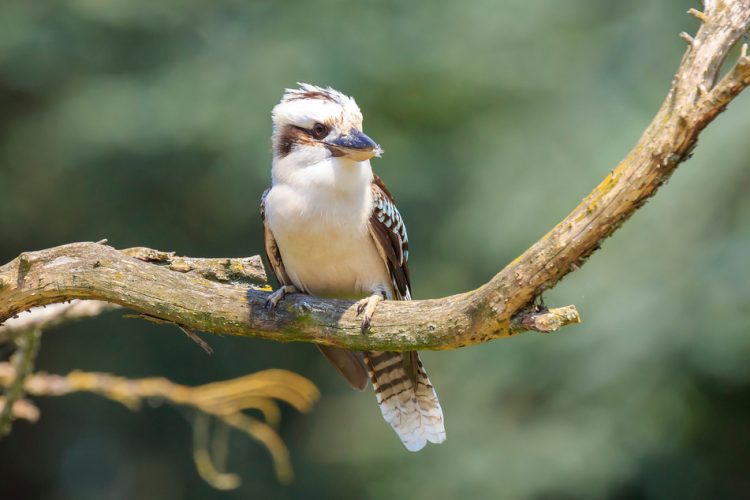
355,145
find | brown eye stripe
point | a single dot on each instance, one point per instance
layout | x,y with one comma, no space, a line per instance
290,136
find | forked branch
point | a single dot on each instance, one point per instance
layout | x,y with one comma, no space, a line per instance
500,308
225,401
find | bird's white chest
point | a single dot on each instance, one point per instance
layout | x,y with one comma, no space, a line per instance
325,243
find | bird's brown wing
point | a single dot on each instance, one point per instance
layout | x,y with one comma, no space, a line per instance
405,395
273,254
349,363
389,232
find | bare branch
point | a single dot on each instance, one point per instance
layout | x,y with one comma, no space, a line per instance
41,318
236,270
224,401
546,320
23,365
91,271
22,409
689,39
698,15
195,338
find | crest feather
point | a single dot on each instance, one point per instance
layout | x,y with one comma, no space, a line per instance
308,104
307,91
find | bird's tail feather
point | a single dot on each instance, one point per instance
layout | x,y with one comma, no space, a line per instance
348,363
406,397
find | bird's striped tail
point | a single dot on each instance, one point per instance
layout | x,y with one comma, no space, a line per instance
406,397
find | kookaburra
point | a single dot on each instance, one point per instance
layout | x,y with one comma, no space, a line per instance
332,230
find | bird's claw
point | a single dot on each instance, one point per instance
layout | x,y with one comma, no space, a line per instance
368,306
366,324
276,297
361,306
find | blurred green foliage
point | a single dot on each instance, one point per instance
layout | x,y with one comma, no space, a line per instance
148,123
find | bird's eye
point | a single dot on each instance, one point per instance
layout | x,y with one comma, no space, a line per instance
319,131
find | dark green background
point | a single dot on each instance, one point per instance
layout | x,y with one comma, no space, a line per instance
147,122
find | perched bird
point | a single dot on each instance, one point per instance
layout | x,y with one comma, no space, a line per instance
332,230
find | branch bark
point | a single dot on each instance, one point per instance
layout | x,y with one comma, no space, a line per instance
500,308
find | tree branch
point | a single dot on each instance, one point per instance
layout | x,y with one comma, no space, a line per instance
42,318
23,364
22,409
497,309
224,401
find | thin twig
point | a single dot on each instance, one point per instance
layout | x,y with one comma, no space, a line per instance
689,39
207,465
52,315
195,338
22,409
23,364
698,15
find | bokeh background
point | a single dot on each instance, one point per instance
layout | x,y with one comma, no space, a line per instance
147,122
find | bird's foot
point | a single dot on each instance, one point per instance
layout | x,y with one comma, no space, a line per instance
279,294
368,306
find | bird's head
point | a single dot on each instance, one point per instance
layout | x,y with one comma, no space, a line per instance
313,124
